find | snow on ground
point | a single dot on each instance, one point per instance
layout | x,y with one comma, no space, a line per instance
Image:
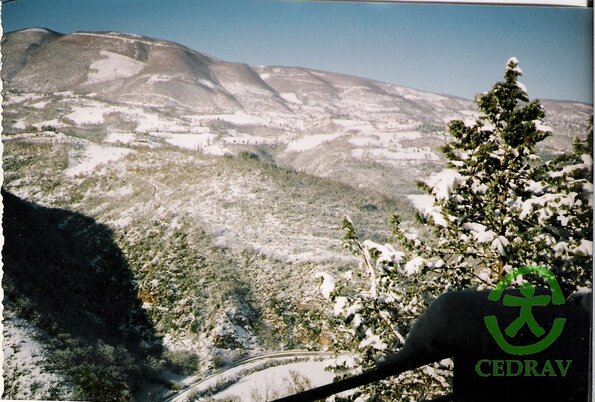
365,141
216,150
239,118
243,138
353,124
48,123
40,105
408,135
88,114
122,222
26,365
274,381
317,256
20,124
244,88
328,284
386,124
413,94
402,154
291,97
122,138
189,141
470,113
66,94
154,100
93,112
11,99
233,201
92,156
44,137
128,38
147,122
310,141
380,139
154,78
207,83
112,66
131,139
277,120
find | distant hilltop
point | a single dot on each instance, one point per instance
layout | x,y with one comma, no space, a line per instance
108,83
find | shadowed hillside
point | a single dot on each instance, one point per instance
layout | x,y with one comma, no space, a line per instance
65,276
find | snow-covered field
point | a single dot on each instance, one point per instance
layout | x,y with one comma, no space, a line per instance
112,66
191,141
310,141
93,155
84,115
123,138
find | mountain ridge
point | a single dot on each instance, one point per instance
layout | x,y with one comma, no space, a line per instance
131,89
123,36
101,40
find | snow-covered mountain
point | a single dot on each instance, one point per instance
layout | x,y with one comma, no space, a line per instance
129,68
205,194
132,90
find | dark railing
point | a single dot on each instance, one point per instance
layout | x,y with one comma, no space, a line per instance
369,377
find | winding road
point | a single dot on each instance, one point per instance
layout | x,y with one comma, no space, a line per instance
236,368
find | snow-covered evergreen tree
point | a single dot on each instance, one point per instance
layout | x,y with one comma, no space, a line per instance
497,206
565,211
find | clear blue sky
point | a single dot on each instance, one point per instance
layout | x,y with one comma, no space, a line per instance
459,50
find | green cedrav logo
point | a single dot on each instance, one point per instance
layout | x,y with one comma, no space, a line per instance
526,302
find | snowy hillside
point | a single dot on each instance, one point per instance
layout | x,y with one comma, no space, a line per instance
134,91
